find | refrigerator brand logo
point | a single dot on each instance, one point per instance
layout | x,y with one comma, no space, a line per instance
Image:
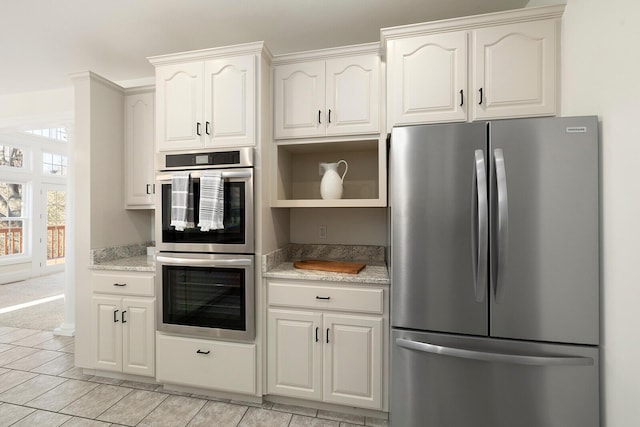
577,129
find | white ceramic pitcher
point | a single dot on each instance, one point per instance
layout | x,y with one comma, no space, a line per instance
331,183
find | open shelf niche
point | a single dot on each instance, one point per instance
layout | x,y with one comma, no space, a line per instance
297,180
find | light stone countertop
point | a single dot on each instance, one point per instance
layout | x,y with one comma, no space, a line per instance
372,274
134,263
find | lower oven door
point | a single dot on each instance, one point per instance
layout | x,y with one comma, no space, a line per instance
206,295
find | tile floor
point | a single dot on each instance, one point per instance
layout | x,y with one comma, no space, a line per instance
39,386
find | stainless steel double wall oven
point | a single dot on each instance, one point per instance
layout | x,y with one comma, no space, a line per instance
205,279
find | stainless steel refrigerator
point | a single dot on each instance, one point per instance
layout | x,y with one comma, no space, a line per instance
495,274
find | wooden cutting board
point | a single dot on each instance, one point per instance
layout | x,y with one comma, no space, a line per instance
334,266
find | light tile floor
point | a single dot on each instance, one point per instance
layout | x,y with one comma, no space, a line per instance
39,386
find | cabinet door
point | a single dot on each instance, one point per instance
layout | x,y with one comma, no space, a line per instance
230,106
138,335
299,99
427,79
294,353
139,150
352,95
179,106
353,360
515,67
108,333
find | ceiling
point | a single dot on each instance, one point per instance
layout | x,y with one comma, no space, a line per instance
43,41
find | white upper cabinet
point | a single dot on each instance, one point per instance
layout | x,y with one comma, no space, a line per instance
428,79
316,97
352,95
515,70
230,101
507,60
299,99
207,98
179,106
139,150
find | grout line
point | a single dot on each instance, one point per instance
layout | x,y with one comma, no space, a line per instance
30,303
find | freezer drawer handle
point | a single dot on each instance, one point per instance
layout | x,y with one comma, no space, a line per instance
479,226
517,359
503,224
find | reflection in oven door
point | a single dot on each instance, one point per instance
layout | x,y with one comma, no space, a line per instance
191,299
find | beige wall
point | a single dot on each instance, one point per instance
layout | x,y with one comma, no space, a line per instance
111,224
349,226
600,74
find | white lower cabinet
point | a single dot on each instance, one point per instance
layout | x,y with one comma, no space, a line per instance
324,355
123,307
125,328
217,365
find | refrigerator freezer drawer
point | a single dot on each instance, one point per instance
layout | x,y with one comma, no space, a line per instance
441,380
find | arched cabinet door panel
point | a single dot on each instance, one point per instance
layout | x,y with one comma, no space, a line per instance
179,106
428,79
515,70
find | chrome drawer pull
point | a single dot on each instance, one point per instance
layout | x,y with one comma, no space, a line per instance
326,298
119,284
203,352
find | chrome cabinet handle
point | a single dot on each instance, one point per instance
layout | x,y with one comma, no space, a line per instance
485,356
148,188
327,335
115,316
324,298
461,97
207,125
480,103
319,122
203,352
329,115
120,284
122,316
479,226
503,223
317,333
198,128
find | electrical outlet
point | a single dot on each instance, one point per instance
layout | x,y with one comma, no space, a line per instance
322,231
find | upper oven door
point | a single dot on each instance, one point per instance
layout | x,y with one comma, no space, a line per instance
237,234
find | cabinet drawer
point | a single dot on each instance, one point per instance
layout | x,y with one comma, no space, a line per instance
327,297
207,364
123,283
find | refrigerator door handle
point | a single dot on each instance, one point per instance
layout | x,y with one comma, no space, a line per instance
479,226
517,359
503,223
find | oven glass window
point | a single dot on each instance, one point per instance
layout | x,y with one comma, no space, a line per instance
234,217
204,296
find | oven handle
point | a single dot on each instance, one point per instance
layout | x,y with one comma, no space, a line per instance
198,174
208,262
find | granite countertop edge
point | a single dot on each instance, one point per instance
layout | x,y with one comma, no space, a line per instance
134,263
279,265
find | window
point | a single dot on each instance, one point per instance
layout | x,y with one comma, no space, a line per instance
59,134
54,164
12,220
56,218
12,157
